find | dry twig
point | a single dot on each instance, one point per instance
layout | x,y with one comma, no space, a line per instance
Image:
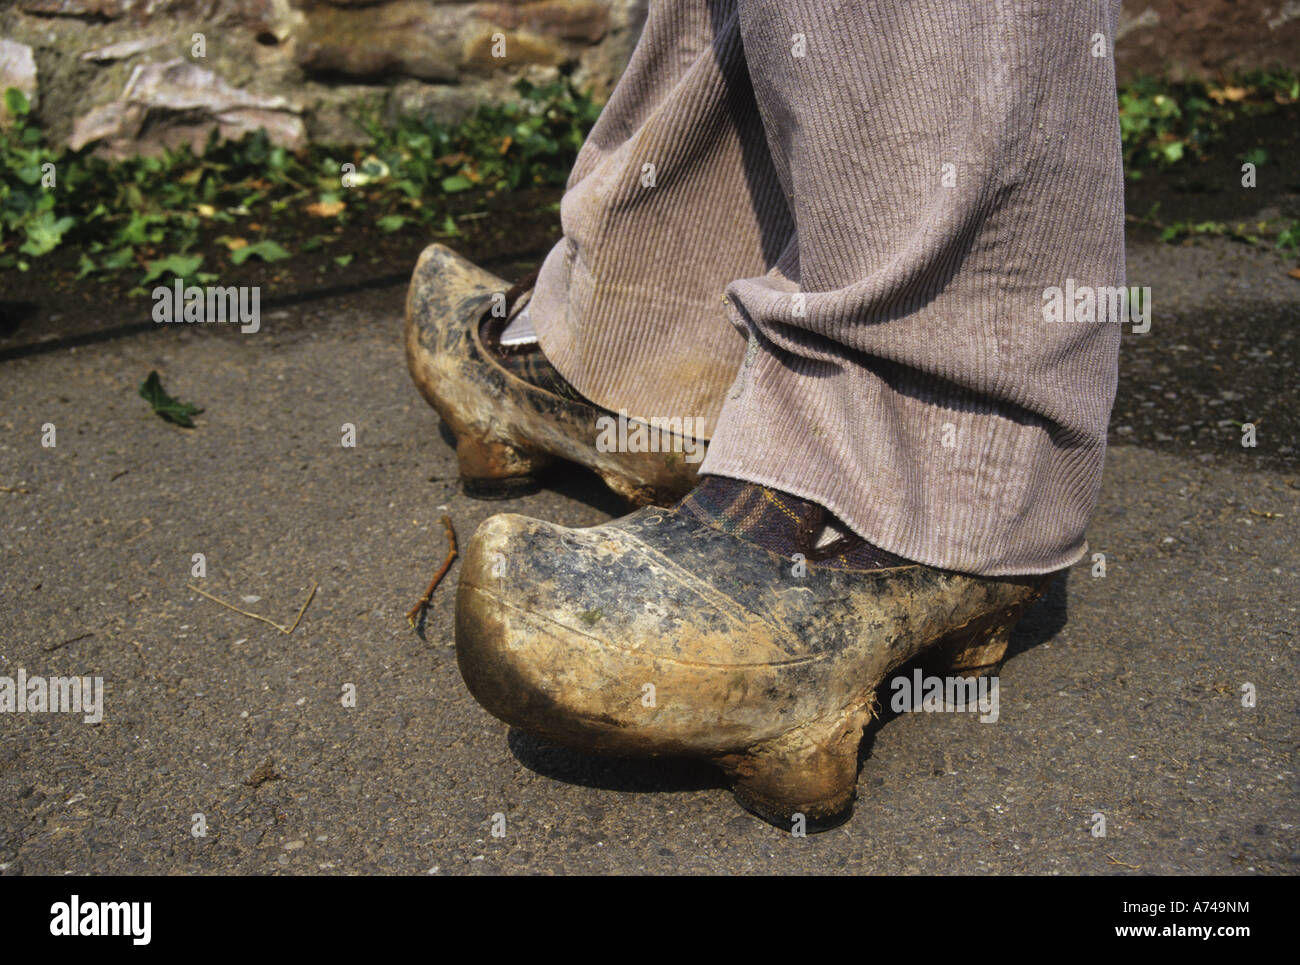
56,646
413,614
231,606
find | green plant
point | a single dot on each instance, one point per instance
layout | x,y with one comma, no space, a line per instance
149,214
1288,239
1285,238
502,147
1163,123
29,224
172,410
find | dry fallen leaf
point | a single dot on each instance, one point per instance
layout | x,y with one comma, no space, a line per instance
1294,272
325,209
1234,94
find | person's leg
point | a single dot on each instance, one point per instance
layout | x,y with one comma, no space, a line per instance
946,164
673,195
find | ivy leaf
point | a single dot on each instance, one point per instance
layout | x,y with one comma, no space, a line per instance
16,102
457,182
180,413
179,265
119,259
391,223
266,250
44,232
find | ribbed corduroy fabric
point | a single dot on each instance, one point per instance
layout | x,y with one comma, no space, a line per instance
884,191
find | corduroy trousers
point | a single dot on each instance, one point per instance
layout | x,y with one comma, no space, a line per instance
838,231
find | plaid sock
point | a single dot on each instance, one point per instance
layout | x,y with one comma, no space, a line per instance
524,361
528,363
781,523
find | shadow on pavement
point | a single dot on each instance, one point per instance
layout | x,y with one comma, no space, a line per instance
640,775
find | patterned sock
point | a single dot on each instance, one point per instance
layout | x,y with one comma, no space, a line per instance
524,359
783,524
528,363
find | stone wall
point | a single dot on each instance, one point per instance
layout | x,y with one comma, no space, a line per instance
132,76
1201,38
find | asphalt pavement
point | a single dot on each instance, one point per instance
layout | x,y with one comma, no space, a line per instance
1157,702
